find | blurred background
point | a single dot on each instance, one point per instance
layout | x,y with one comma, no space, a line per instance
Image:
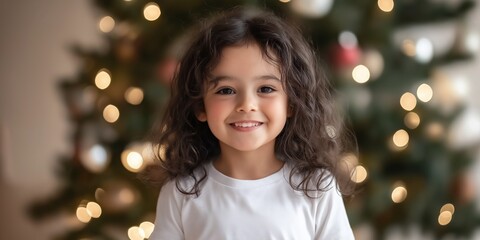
81,83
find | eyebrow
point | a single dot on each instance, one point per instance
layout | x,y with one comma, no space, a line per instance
216,79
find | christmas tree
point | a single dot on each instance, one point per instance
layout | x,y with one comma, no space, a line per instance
409,170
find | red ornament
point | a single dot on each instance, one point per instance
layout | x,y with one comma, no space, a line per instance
342,57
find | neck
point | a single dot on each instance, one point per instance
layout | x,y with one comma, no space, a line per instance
249,165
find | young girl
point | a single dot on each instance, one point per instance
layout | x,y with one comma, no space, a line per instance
251,138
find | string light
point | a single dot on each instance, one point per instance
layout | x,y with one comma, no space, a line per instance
132,160
106,24
444,218
399,193
134,95
141,232
408,101
136,233
385,5
412,120
448,207
359,174
151,12
424,92
82,215
446,214
103,79
111,113
361,74
147,228
400,138
94,210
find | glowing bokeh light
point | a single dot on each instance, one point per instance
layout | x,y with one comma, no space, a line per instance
359,174
361,74
134,95
94,210
448,207
408,101
399,194
83,215
400,138
103,79
106,24
151,12
412,120
385,5
147,228
445,218
424,92
111,113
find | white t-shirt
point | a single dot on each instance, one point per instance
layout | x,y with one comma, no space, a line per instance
264,209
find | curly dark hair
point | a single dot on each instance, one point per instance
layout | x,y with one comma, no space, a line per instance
312,137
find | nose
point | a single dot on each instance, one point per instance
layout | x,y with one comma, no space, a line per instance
247,102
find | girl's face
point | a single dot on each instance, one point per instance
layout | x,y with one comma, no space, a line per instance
245,105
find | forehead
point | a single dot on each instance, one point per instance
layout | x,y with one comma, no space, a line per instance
245,60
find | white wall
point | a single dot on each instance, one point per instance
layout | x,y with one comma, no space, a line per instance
34,129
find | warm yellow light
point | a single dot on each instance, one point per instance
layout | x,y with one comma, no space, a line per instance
385,5
134,95
132,160
448,207
106,24
399,194
111,113
136,233
408,101
151,12
82,215
361,74
444,218
359,174
147,228
284,1
424,92
135,160
412,120
400,138
94,210
102,79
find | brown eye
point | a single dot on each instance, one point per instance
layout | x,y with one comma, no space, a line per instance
225,91
266,90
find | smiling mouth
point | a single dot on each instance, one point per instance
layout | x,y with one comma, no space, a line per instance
246,124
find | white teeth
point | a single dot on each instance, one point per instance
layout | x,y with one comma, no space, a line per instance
246,124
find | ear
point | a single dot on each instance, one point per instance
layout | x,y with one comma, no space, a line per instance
201,116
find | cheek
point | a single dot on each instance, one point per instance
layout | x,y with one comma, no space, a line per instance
216,109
